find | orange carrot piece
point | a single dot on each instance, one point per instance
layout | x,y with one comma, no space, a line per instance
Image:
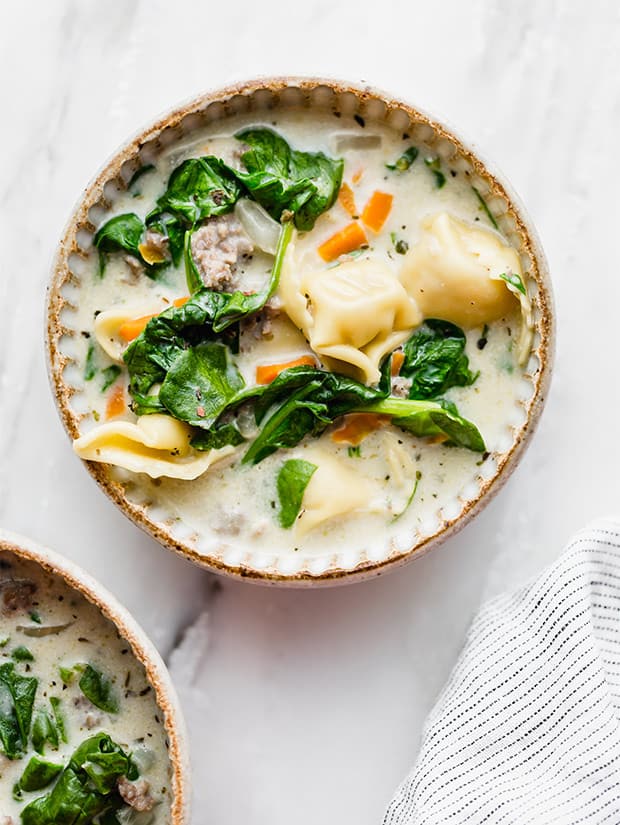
377,209
398,359
116,402
357,176
131,329
346,240
347,199
266,374
356,426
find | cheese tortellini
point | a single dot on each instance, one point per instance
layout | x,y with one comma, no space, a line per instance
157,445
352,314
452,270
108,325
333,490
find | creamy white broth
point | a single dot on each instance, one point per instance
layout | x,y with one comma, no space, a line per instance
236,506
88,638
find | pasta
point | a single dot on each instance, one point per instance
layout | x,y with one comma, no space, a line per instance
452,272
157,445
352,314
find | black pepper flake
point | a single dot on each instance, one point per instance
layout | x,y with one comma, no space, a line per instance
83,639
337,114
85,334
453,173
144,691
359,120
481,343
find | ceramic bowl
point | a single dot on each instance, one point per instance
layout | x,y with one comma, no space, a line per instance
258,97
143,649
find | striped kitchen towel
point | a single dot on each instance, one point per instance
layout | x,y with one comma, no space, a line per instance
527,730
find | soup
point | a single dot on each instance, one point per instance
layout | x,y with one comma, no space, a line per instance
299,333
81,735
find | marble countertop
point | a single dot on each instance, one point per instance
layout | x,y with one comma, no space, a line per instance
307,706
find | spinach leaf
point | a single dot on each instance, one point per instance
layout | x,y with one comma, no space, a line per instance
220,435
59,719
435,360
198,188
306,400
281,178
85,788
109,375
432,418
123,232
200,383
16,701
90,367
44,731
302,401
99,689
404,161
292,481
38,774
485,207
434,164
515,281
22,654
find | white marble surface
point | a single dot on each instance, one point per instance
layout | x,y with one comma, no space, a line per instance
307,706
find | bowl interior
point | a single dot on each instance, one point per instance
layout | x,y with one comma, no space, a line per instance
258,98
141,647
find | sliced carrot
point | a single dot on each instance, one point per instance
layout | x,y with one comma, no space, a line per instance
116,402
357,176
348,239
265,374
347,199
356,426
377,209
131,329
398,359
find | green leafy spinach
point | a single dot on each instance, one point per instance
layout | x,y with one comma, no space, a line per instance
38,774
292,481
86,787
17,694
284,179
403,163
435,360
122,232
99,689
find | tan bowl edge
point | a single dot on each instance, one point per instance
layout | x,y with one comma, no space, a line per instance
142,648
539,273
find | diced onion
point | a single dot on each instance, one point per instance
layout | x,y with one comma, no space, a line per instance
345,141
261,228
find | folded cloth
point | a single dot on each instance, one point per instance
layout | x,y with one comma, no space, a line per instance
527,729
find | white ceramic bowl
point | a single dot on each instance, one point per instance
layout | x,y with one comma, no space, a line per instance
142,648
257,96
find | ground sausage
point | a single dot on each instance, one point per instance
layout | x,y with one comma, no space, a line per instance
216,249
15,595
136,794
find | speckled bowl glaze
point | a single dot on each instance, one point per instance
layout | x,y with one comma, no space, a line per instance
142,648
259,96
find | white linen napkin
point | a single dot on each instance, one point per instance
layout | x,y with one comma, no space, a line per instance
527,729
